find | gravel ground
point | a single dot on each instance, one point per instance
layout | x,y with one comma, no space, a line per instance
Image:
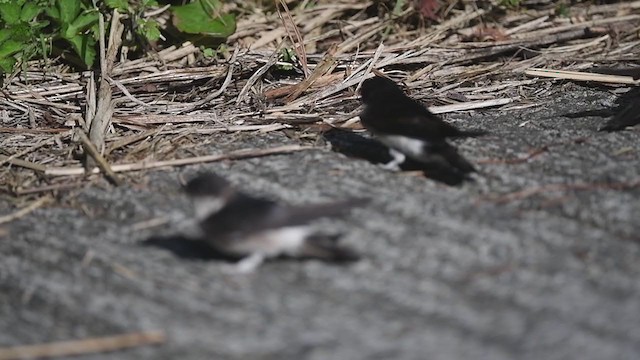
447,272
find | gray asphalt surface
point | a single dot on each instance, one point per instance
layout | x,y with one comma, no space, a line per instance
447,272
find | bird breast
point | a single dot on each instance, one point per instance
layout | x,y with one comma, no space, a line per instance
286,240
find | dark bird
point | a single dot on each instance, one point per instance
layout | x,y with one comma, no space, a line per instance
409,129
253,229
626,114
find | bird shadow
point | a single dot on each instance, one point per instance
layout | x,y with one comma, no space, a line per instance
624,113
357,146
187,248
197,249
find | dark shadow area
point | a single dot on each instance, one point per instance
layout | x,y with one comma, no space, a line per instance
589,113
196,249
357,146
627,110
626,113
634,72
188,248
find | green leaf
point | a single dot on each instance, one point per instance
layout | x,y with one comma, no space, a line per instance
10,47
208,52
68,10
80,24
22,32
150,29
6,34
53,12
121,5
194,18
149,3
30,11
6,64
10,12
85,47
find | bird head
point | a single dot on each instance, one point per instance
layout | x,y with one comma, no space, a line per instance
209,193
378,88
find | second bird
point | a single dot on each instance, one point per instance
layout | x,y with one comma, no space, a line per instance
410,130
253,228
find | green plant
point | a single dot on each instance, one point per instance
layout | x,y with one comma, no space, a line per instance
146,28
78,26
203,20
562,9
510,3
31,29
20,32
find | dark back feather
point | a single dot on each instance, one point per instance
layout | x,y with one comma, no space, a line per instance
388,110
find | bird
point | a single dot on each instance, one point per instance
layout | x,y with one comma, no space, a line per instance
410,130
627,114
253,229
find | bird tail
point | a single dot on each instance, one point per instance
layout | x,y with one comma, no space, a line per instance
326,247
446,156
333,209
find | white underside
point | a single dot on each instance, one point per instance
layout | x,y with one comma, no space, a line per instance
413,148
258,247
282,241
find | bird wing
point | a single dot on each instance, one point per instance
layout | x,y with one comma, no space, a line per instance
245,215
410,118
425,126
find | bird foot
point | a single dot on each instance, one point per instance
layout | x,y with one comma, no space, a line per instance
398,158
247,265
391,166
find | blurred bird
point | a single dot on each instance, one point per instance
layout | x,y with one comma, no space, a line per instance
409,129
253,229
627,113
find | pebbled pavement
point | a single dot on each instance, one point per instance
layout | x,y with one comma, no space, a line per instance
448,272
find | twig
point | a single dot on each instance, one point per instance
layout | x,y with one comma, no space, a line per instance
126,92
223,87
297,40
23,163
86,346
326,65
102,119
131,139
95,154
252,80
582,76
32,131
234,155
470,105
22,212
35,147
46,188
372,64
